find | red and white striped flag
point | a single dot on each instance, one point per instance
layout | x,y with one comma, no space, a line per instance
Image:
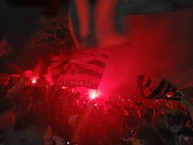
151,91
84,68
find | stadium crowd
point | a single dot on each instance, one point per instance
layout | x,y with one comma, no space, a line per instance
37,115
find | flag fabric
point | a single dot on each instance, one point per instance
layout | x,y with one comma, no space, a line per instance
55,68
84,68
151,91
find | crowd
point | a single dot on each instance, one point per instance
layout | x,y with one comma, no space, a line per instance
36,115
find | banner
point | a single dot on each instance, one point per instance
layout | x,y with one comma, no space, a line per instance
84,68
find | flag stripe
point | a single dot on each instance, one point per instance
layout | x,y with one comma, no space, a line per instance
94,52
157,90
91,73
78,80
60,64
148,83
75,83
78,76
163,90
97,63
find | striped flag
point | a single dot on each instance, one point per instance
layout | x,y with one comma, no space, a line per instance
84,68
150,91
55,67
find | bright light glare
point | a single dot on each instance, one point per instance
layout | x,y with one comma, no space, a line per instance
63,87
93,94
170,94
34,80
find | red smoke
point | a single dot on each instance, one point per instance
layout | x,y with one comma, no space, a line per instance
160,47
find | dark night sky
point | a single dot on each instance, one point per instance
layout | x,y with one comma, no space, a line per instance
18,23
17,26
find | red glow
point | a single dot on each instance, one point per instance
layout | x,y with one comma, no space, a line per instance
93,94
170,94
63,87
34,80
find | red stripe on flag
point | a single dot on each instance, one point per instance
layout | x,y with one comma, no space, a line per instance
85,66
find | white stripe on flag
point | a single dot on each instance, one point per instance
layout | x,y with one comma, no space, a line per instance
84,69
